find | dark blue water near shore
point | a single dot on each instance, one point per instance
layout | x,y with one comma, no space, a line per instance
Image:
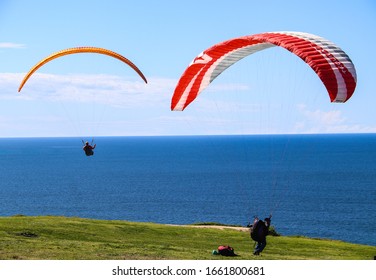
314,185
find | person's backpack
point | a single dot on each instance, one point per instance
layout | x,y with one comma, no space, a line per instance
258,230
226,251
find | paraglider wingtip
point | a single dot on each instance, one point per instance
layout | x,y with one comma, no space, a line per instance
177,108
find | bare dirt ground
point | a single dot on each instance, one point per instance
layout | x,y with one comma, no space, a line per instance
244,229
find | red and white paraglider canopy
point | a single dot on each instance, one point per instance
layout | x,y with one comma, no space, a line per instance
330,63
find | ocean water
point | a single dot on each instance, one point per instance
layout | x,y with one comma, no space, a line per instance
320,186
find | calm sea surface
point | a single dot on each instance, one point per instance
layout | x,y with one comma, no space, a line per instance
314,185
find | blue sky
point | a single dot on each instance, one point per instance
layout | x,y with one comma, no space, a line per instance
81,95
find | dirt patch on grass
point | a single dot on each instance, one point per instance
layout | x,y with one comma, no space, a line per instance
220,227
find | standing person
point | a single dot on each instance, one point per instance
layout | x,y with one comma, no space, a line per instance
259,231
88,149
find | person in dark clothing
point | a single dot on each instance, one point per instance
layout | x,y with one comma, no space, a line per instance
88,149
260,230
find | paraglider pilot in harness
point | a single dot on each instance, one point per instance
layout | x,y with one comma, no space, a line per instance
88,149
259,231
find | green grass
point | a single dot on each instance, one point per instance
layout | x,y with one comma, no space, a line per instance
62,238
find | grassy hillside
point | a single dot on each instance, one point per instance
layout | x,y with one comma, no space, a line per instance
61,238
